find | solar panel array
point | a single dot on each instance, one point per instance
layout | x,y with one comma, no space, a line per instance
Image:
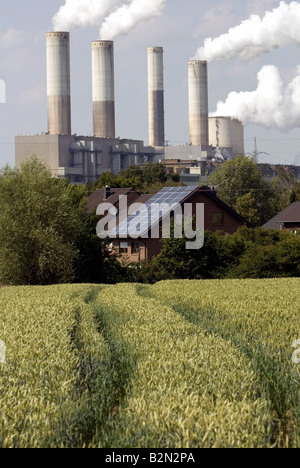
141,221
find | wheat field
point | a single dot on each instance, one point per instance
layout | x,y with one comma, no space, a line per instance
180,364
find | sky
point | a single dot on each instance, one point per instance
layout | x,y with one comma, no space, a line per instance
181,30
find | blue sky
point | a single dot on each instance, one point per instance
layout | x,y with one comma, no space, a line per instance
181,30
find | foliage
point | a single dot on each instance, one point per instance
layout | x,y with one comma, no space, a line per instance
38,227
249,253
146,179
288,188
246,206
242,186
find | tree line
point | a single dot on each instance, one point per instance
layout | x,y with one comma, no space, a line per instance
47,236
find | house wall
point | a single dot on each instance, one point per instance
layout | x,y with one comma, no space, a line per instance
149,248
230,223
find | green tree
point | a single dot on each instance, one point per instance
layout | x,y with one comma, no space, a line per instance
153,173
240,176
146,179
38,227
247,207
289,188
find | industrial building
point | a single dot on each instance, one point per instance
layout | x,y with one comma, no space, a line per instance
85,158
211,138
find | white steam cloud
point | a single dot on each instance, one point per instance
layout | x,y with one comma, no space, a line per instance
113,17
256,35
127,17
272,105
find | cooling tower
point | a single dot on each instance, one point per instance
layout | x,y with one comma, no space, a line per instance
198,103
156,96
58,83
225,132
103,89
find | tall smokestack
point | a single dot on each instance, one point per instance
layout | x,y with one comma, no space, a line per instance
156,96
198,103
103,89
58,83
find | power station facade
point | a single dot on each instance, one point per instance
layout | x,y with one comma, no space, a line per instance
84,158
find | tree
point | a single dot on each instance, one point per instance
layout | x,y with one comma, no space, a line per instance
38,227
246,206
153,173
239,177
289,188
146,179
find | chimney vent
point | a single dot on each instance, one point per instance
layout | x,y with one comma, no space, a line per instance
198,103
103,89
107,193
58,83
156,96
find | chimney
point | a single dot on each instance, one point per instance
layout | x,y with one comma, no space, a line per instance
198,103
103,89
107,192
156,96
58,83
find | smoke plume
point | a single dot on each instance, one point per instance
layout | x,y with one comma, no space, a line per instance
127,17
256,35
113,17
272,105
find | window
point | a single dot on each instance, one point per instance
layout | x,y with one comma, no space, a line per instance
135,248
77,158
99,159
218,218
124,247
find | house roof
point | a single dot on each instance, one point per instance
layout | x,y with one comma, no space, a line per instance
290,215
169,195
98,197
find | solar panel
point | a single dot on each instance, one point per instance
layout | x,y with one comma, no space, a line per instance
141,221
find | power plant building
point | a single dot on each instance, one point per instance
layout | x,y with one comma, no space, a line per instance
82,158
85,158
211,138
225,132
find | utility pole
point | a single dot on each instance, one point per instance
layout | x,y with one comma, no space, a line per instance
256,153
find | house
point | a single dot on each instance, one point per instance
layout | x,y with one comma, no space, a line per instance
217,217
286,220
